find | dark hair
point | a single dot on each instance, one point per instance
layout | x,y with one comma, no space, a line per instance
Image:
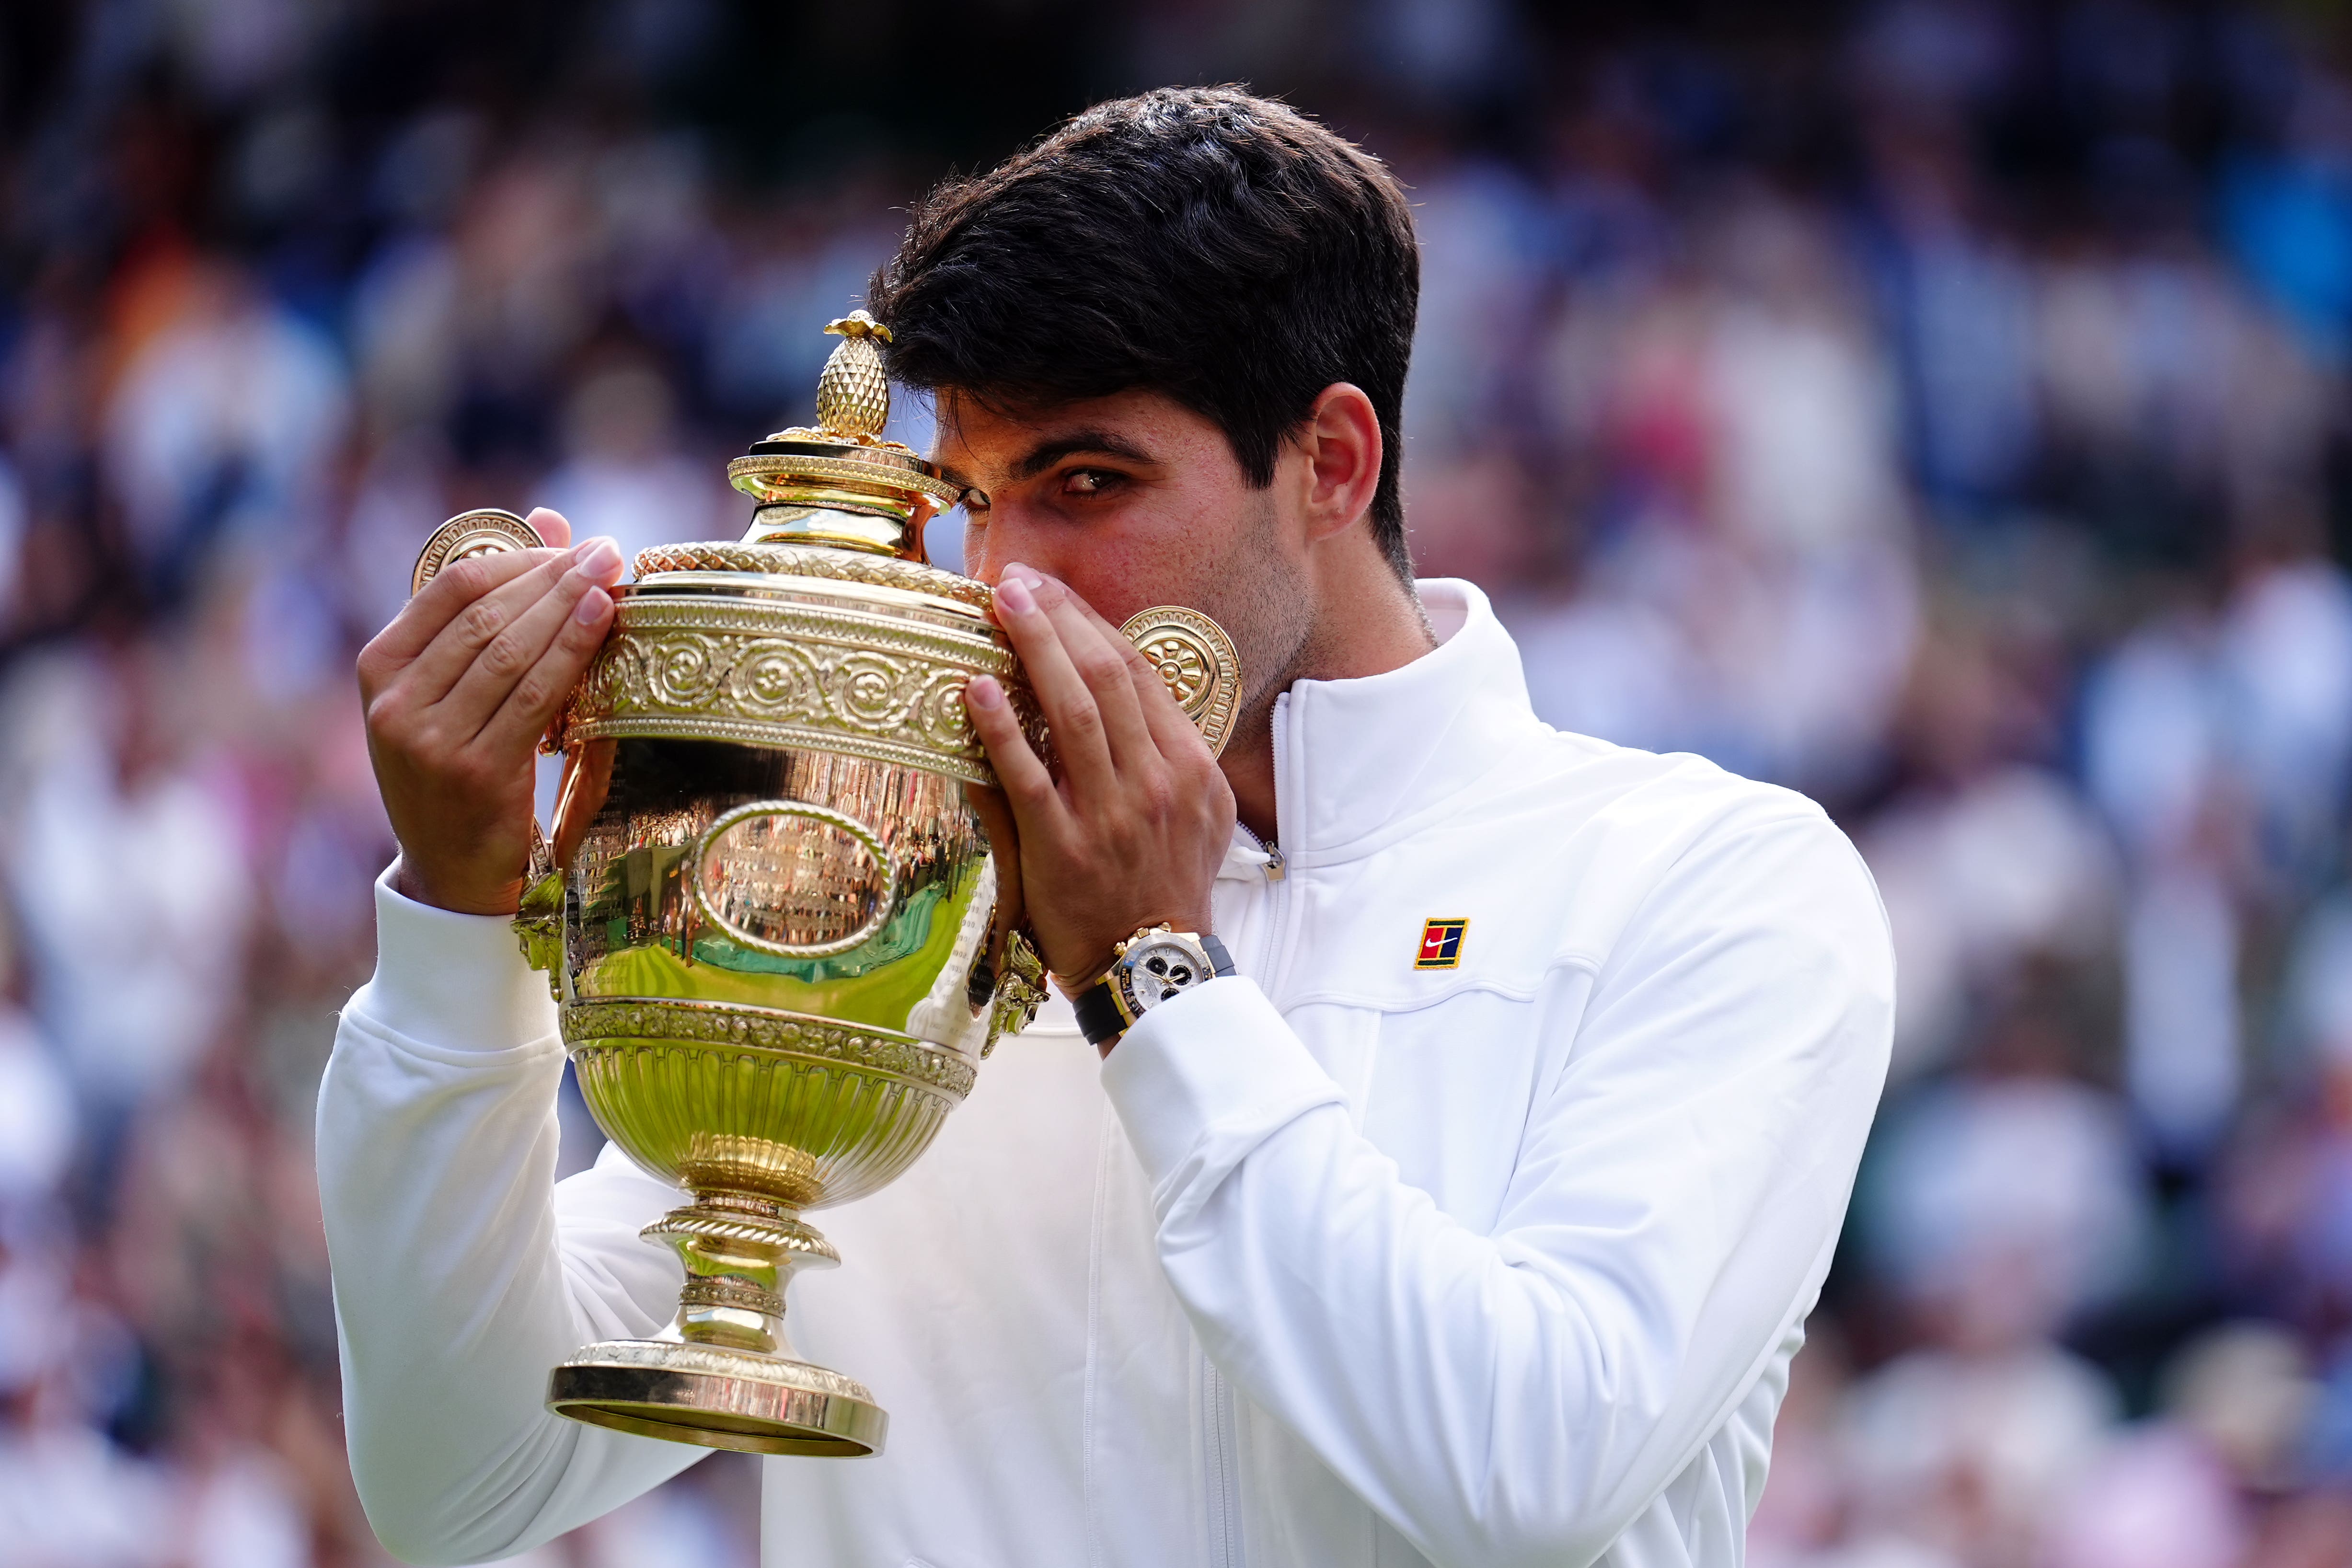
1225,251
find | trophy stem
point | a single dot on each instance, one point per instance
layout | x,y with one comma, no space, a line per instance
741,1249
722,1374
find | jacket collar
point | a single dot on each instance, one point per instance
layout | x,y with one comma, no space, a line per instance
1358,763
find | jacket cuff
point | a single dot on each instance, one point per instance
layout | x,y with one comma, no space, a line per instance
451,982
1205,1079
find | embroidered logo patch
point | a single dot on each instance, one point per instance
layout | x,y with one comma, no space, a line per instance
1441,944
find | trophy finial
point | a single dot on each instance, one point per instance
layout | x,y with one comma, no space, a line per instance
853,396
841,484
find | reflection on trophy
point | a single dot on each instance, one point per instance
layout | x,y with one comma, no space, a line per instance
770,916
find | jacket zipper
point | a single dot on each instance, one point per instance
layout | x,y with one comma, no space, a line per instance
1273,852
1216,1394
1276,867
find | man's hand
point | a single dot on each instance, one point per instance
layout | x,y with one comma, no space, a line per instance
457,690
1133,831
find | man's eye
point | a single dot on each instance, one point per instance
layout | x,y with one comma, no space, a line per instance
1089,481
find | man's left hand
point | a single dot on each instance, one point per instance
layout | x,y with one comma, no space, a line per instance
1132,832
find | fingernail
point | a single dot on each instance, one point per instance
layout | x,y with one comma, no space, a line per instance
1019,573
593,603
598,557
982,691
1015,592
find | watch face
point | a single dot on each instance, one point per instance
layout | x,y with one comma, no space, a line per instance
1158,968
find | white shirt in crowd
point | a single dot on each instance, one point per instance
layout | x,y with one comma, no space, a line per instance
1338,1261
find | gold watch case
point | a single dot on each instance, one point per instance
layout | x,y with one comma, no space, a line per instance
1154,965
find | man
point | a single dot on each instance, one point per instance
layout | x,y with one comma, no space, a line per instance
1473,1221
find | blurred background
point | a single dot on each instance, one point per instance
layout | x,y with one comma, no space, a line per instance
1939,406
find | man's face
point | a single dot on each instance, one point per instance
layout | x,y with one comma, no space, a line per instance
1134,500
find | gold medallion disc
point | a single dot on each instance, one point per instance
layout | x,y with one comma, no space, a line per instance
1196,658
488,532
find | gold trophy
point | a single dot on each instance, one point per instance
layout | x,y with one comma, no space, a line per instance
769,912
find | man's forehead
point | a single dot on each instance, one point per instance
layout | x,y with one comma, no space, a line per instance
1018,438
987,419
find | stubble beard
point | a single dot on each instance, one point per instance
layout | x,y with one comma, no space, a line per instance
1266,605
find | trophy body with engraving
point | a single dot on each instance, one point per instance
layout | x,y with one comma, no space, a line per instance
769,913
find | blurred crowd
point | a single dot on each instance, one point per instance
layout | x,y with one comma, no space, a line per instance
1940,407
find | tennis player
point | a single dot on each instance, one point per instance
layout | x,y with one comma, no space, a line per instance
1472,1219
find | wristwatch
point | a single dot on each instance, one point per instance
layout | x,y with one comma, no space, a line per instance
1147,969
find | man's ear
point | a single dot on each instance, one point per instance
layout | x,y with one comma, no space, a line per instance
1342,442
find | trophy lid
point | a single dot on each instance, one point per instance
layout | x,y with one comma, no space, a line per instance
841,484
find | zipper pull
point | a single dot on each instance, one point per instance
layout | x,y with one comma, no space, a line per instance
1273,862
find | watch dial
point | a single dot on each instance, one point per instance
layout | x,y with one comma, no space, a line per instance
1160,970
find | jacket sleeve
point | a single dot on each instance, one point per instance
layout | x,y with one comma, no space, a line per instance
462,1271
1520,1397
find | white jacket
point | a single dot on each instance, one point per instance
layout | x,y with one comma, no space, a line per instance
1336,1262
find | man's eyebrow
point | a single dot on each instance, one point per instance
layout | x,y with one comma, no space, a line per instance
1045,454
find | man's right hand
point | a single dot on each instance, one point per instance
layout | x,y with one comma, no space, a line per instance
457,690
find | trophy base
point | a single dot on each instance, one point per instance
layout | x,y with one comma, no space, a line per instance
717,1398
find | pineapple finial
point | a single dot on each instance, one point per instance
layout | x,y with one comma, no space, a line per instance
853,396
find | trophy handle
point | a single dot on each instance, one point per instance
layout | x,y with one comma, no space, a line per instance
1196,658
492,530
1019,988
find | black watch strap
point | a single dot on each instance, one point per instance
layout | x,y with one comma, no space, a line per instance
1099,1018
1098,1011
